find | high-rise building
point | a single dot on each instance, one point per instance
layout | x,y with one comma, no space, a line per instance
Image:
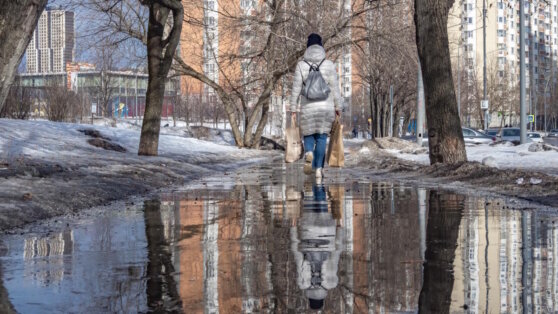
465,30
52,43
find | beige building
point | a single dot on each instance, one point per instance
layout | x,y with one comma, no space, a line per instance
465,30
52,43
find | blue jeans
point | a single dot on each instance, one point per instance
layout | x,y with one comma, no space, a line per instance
316,143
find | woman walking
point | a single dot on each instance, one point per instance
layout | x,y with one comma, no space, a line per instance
316,116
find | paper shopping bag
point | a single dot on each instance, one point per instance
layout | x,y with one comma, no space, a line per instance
335,151
293,151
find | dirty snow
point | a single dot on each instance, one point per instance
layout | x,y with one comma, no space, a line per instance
49,169
505,156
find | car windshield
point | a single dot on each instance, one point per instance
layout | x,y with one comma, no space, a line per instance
554,131
534,135
492,132
510,132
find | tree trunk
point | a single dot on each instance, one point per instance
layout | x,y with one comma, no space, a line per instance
445,138
261,125
149,143
444,217
382,117
260,110
18,20
395,126
376,116
160,52
372,114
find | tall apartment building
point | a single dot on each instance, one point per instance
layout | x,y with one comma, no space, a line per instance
502,41
52,43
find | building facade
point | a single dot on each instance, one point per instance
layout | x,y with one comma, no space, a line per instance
117,88
52,43
465,28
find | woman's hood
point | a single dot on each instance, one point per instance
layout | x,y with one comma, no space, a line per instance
314,54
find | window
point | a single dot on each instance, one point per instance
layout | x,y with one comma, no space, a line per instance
510,132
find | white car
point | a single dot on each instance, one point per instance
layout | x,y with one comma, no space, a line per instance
535,137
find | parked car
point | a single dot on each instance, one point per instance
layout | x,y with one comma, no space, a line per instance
553,133
535,137
511,135
475,137
491,132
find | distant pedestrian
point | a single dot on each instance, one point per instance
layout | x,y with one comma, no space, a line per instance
355,132
316,116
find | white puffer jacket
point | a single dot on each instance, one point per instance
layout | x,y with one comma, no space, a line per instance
316,116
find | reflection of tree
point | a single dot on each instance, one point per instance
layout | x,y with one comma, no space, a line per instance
444,217
162,294
5,304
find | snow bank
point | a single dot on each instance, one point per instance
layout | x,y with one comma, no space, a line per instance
49,169
505,156
53,140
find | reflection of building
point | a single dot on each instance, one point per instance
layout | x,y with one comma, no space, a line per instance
235,249
52,43
491,274
386,249
45,256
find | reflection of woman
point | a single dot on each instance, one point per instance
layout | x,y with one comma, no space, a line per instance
316,244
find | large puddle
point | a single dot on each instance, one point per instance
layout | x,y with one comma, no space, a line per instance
271,240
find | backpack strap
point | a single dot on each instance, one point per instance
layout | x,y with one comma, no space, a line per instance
319,65
313,67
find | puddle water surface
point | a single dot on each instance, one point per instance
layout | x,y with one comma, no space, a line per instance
271,240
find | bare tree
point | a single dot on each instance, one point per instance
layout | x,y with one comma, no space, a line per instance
445,138
60,103
387,58
17,23
18,103
161,45
266,42
104,56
